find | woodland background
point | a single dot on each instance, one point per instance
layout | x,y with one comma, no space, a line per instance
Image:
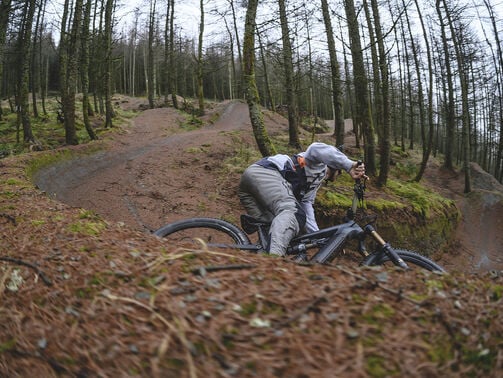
425,72
107,300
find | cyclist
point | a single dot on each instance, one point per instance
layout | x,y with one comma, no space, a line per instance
281,189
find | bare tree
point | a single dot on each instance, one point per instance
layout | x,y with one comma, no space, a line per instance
335,76
84,70
5,12
270,98
427,137
384,112
200,73
457,39
150,60
450,121
293,128
252,98
169,53
24,48
108,32
362,113
498,60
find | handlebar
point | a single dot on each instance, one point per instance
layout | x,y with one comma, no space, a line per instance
359,191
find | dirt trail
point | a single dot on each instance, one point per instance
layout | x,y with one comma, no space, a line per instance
478,243
154,174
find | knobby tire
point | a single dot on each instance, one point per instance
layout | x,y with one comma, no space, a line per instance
409,257
227,228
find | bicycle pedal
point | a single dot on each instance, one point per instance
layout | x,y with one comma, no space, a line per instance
301,257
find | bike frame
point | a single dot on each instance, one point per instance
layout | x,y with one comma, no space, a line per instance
330,240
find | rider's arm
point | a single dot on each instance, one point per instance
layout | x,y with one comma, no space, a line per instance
307,206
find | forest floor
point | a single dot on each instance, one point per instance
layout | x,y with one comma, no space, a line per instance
85,290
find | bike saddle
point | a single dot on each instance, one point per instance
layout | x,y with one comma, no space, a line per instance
250,224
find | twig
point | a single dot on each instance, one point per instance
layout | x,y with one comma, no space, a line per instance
10,218
42,275
303,310
398,293
56,366
216,268
181,252
178,332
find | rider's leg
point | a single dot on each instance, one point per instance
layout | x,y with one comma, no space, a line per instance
255,208
272,195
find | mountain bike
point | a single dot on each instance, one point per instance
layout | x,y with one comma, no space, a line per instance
316,247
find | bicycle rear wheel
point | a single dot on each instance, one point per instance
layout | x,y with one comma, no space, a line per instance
409,257
210,231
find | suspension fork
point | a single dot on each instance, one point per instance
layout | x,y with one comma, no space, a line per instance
386,247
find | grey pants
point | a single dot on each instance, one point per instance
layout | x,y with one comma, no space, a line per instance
267,196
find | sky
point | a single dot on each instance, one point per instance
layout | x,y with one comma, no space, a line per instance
187,13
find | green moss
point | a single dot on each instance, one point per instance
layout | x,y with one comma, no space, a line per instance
7,345
87,214
483,360
496,292
248,308
8,194
377,366
434,284
190,123
440,351
422,200
383,205
13,181
176,363
49,158
378,313
335,200
87,228
409,215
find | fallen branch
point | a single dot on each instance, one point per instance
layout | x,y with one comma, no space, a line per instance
216,268
10,218
42,275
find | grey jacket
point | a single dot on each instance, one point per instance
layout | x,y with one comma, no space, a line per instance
317,157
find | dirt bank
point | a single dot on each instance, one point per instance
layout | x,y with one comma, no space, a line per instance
154,174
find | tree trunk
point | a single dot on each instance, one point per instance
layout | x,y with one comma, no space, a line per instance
5,9
34,67
271,102
450,118
172,63
264,144
109,111
465,115
498,165
293,127
376,115
150,56
238,43
362,113
384,141
427,139
335,76
200,73
85,70
24,49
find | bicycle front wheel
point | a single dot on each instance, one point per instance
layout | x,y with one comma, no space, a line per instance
410,257
209,231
